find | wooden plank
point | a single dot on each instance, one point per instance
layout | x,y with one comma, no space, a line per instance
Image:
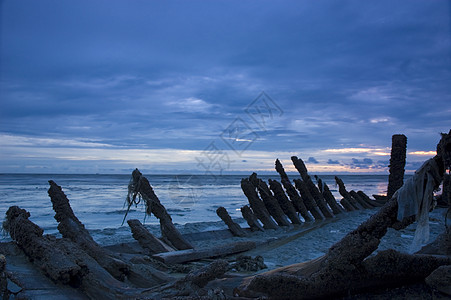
182,256
147,240
233,227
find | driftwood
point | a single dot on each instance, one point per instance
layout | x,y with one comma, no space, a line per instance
251,219
346,267
62,260
308,199
329,197
319,199
50,259
233,227
342,190
284,203
397,164
292,193
360,200
71,228
140,186
270,202
196,254
368,199
147,240
201,277
257,205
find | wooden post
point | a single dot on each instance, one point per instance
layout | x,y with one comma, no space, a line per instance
147,240
347,205
292,193
270,202
251,219
140,185
233,227
308,200
40,249
357,198
342,190
257,205
346,267
368,200
317,196
329,197
71,228
397,163
63,260
284,203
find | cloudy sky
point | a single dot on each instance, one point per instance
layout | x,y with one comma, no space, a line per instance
220,86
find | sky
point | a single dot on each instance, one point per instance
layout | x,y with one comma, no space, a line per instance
218,87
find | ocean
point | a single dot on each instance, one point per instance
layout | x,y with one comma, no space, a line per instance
98,200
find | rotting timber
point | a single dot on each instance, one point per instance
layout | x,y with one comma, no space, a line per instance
347,268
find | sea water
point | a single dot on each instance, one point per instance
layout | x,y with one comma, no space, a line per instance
98,200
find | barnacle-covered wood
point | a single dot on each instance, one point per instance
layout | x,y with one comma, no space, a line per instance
141,186
397,163
147,240
308,199
292,193
346,268
284,203
62,260
71,228
251,219
313,190
342,190
329,197
270,202
257,205
233,227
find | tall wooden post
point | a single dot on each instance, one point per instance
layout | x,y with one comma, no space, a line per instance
397,164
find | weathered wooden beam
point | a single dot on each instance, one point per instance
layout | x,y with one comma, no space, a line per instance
397,164
201,277
347,205
257,205
343,192
251,219
284,203
292,193
368,199
345,267
140,185
71,228
317,196
329,197
233,227
270,202
359,200
182,256
281,171
62,260
308,199
41,249
147,240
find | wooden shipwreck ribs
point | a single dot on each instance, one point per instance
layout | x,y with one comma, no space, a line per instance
282,202
77,260
140,187
347,267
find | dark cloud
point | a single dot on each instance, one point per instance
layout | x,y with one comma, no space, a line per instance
333,162
175,75
312,160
